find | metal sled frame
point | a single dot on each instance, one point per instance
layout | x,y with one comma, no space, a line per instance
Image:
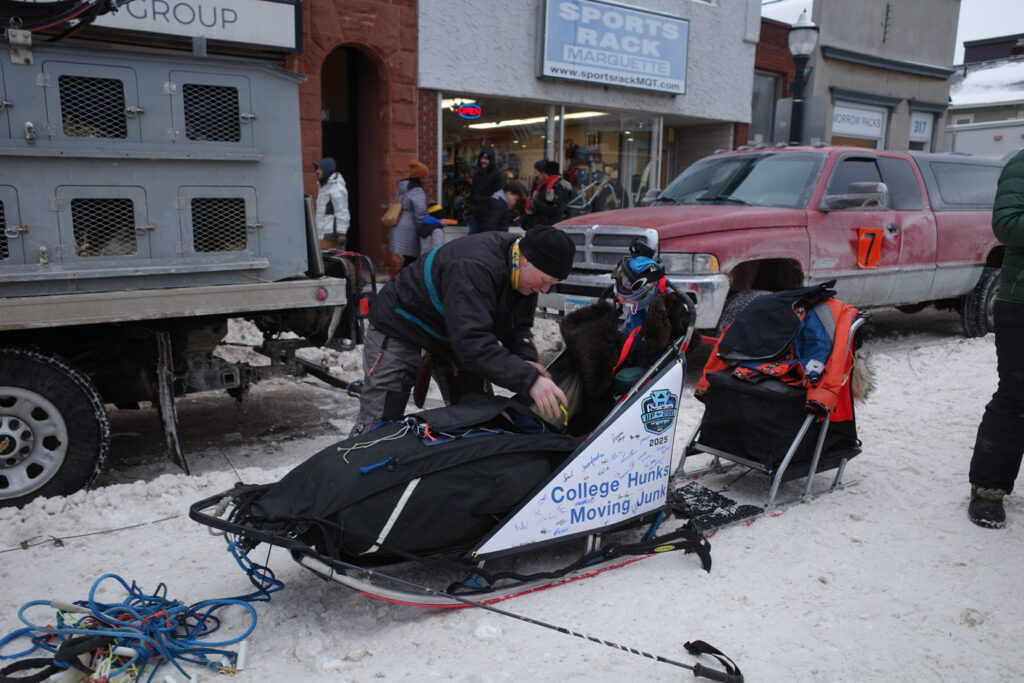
778,473
580,479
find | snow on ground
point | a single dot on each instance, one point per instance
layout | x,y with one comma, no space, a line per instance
885,580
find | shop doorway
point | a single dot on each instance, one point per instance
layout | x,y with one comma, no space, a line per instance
352,135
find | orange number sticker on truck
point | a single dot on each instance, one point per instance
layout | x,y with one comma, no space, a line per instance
869,247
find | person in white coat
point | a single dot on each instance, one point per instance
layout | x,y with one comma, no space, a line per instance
332,226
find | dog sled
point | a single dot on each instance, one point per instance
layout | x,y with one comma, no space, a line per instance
481,501
470,492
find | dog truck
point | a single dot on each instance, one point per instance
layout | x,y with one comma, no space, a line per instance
146,198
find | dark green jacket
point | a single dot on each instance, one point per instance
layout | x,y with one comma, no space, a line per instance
1008,226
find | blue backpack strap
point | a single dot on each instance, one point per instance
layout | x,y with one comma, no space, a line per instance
429,280
435,299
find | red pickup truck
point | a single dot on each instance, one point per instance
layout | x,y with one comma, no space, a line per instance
904,229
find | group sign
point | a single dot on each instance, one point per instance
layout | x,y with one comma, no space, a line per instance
599,42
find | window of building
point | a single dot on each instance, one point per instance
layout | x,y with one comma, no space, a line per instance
767,91
605,156
859,125
921,124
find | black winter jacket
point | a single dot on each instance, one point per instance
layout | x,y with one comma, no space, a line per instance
485,183
497,216
466,311
551,205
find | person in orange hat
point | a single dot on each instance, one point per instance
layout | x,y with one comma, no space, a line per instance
404,237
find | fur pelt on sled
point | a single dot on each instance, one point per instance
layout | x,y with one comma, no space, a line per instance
862,380
591,338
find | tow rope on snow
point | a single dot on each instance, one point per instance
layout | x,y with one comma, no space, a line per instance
132,639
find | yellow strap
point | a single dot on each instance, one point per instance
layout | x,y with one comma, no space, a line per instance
515,264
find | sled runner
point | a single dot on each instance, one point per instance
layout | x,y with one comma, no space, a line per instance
778,400
471,491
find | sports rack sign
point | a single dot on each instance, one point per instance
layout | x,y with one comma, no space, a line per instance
609,44
269,24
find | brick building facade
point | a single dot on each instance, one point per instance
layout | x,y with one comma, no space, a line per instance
368,50
772,56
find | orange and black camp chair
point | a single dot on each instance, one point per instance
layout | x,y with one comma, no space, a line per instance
777,391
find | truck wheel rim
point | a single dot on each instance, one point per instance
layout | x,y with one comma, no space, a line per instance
33,441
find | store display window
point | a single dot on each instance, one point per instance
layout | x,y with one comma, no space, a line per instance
605,156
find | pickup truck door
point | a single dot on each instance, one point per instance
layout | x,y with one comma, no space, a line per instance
916,223
859,246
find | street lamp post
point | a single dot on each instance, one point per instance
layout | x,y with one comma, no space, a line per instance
803,36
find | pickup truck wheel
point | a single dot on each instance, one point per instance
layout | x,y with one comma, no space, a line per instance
736,303
976,306
54,431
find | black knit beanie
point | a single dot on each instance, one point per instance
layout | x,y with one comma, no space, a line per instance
551,168
540,165
549,249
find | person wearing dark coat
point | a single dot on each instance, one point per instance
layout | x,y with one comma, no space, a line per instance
470,304
550,202
487,179
528,220
499,208
999,446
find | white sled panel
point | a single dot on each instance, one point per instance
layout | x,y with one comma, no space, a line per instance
622,472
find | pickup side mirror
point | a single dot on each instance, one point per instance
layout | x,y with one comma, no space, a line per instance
649,197
867,195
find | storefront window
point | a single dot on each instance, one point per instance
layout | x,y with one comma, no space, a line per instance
607,159
767,90
606,156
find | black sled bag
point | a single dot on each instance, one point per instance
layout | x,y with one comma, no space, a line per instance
436,482
759,420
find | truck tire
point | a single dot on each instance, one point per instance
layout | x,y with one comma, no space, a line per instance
54,431
976,306
736,303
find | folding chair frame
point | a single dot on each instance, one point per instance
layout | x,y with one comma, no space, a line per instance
776,472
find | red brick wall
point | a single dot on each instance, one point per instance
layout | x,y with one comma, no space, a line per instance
386,32
772,55
773,52
429,109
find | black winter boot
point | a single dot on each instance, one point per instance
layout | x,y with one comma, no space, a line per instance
986,507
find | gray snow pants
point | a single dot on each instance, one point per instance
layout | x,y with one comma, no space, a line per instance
390,369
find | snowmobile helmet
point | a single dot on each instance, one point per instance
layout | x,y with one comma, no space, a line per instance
637,281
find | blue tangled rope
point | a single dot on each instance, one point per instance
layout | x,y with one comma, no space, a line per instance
145,631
